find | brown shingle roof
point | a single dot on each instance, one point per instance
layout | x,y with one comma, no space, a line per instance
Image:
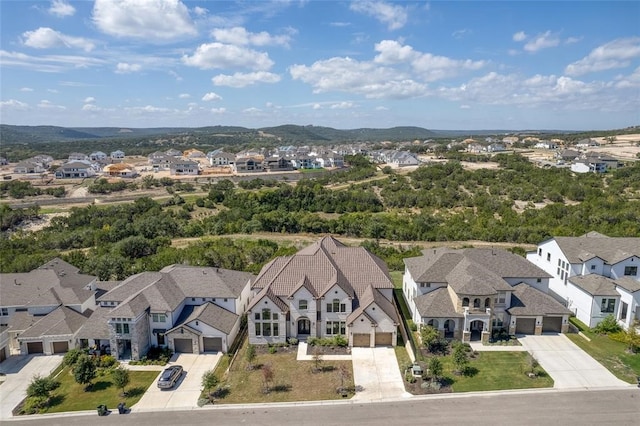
527,300
437,304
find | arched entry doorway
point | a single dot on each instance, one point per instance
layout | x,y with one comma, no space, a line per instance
449,328
476,327
304,327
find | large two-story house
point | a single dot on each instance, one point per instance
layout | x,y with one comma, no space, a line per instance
593,275
468,293
324,290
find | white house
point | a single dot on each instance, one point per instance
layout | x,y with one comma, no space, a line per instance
75,169
117,155
593,275
324,290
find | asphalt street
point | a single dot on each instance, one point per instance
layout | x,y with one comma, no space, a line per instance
550,407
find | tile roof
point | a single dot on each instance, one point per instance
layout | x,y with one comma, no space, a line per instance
437,303
370,296
271,296
61,321
595,285
611,249
527,300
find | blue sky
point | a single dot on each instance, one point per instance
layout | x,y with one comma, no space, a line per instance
570,65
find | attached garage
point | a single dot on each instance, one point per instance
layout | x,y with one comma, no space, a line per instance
60,347
184,346
35,348
384,339
361,340
525,326
552,324
212,344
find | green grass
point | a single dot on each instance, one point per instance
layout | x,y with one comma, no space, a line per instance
613,355
396,277
402,357
496,371
70,396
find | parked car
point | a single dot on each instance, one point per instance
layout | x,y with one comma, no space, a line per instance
169,377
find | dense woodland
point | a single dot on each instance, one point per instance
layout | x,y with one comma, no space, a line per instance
440,202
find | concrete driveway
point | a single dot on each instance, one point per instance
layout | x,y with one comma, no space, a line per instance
19,370
376,370
187,390
568,365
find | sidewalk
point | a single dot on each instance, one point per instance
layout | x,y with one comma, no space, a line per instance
302,355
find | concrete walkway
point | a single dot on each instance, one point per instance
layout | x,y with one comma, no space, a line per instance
19,370
185,394
302,355
376,370
568,365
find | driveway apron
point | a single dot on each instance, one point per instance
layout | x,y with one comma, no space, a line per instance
568,365
376,370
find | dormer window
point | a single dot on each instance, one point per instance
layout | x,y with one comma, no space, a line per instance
465,302
476,303
303,305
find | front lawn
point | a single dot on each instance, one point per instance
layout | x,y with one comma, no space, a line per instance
613,355
70,396
292,380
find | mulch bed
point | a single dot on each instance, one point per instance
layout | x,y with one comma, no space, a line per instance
330,350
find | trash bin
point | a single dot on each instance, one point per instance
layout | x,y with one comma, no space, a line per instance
102,410
122,408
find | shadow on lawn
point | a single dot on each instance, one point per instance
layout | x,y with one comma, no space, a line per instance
100,386
134,392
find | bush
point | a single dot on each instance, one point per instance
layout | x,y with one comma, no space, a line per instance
409,377
41,387
33,405
106,361
412,325
71,357
340,340
293,341
607,326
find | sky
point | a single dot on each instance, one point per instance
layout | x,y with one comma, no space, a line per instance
455,65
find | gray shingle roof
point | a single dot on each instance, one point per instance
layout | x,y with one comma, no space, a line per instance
628,284
611,249
60,322
437,304
527,300
196,281
595,285
96,326
214,316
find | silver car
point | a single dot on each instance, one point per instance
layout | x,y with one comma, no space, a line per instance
170,376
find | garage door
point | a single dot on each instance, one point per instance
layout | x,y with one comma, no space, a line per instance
34,348
526,325
361,340
60,347
3,354
183,345
212,344
552,324
384,339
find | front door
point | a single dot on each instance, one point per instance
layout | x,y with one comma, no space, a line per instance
304,326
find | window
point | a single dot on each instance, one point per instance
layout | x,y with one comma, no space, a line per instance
336,306
122,328
258,329
593,267
276,329
559,262
623,311
266,314
631,270
608,306
274,316
465,301
302,305
266,329
256,316
539,280
501,298
548,257
158,317
427,285
558,271
336,327
540,252
498,320
160,339
476,303
4,312
487,302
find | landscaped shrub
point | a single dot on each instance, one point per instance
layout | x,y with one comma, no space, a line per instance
155,356
71,357
106,361
293,341
412,325
607,326
340,340
41,386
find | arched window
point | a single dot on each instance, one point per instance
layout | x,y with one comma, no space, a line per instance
487,302
465,301
433,323
476,302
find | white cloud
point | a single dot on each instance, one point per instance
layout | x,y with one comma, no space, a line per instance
48,63
61,9
184,96
316,106
148,109
223,56
631,81
46,38
200,11
240,36
175,75
151,20
251,110
615,54
394,16
519,36
218,110
91,108
465,107
340,24
45,104
381,108
124,68
89,100
211,96
26,89
391,52
245,79
14,104
572,40
542,41
52,90
458,34
343,105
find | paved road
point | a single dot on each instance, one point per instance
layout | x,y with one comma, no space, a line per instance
19,371
568,365
552,407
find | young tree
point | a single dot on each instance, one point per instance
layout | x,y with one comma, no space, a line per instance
343,374
120,378
267,375
460,357
428,335
251,355
317,357
84,371
209,381
435,367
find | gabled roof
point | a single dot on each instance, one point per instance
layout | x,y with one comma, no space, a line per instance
370,296
96,326
437,304
212,315
59,322
628,284
132,307
266,292
528,300
304,283
611,249
595,285
197,281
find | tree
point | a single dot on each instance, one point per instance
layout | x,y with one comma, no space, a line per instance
209,381
267,375
84,371
120,378
41,387
435,368
460,357
343,374
317,357
631,338
251,355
